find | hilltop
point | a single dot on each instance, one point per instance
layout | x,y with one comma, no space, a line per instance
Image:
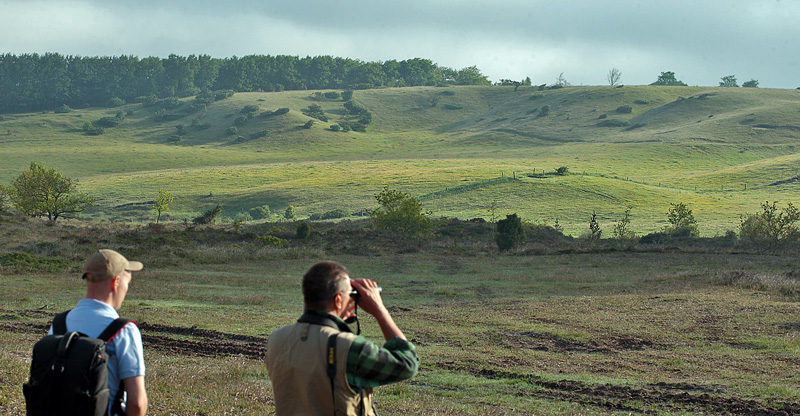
721,151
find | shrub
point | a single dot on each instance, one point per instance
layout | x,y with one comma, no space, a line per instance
315,111
260,212
335,127
249,109
303,230
625,109
282,110
222,94
613,122
621,227
62,109
401,213
308,124
544,111
681,220
332,95
240,120
149,101
771,227
347,95
116,102
562,171
108,122
642,102
536,96
271,241
259,134
209,216
336,213
230,131
171,102
454,106
289,214
510,233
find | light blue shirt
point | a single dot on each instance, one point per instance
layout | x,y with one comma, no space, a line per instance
125,352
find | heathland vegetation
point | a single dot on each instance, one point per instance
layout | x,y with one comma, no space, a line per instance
568,250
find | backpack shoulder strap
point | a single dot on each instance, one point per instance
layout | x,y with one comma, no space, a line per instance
60,323
113,329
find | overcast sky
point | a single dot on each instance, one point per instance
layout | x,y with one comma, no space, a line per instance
700,40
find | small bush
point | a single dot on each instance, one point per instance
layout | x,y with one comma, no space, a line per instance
332,95
108,122
625,109
116,102
453,106
62,109
230,131
249,109
303,231
335,127
271,241
510,233
613,122
209,216
259,134
544,111
240,120
260,213
536,96
308,124
642,102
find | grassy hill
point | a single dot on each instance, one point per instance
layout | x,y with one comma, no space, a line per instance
721,151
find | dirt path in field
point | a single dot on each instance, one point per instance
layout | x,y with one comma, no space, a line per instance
648,399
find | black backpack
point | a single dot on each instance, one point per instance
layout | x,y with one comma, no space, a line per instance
69,373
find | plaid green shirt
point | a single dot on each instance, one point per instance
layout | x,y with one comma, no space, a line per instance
369,365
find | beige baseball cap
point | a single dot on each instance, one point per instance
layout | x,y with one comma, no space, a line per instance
105,264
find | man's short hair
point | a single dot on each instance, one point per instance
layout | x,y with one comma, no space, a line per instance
322,282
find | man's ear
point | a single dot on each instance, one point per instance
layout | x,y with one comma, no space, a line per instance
338,300
115,283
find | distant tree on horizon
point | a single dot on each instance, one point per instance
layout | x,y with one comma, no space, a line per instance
728,81
753,83
614,75
668,78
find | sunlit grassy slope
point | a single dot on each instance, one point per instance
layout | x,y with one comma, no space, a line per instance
721,151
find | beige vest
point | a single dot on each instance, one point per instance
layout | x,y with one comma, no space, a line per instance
296,360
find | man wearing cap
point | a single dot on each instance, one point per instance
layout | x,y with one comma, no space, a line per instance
108,274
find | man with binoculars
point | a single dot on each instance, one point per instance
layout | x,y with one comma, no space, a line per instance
318,366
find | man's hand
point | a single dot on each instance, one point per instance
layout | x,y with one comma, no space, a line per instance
372,303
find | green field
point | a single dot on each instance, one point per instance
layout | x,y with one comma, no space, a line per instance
558,326
667,330
721,151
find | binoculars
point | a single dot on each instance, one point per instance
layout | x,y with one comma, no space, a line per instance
355,295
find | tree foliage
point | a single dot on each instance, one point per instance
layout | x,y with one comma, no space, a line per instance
771,227
728,81
668,78
753,83
510,233
681,220
401,213
209,216
31,82
39,191
161,203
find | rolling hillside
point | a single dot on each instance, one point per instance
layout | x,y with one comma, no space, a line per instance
721,151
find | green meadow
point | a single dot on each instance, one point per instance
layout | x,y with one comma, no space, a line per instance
559,326
665,329
721,151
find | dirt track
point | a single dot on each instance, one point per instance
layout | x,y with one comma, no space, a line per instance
648,399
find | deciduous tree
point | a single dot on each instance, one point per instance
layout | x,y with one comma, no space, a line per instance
161,203
39,191
614,76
